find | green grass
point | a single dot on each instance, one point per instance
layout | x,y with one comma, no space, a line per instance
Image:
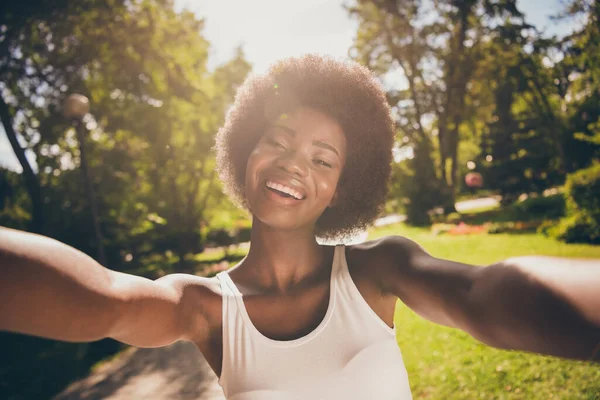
445,363
487,249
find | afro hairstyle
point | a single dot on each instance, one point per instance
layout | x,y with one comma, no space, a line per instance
343,90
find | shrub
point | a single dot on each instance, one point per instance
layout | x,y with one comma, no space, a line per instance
454,218
220,238
582,222
243,234
583,190
578,228
549,207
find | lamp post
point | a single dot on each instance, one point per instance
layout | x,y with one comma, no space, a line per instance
75,108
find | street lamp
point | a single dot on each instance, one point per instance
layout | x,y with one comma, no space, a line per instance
75,108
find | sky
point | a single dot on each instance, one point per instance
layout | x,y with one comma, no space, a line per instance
272,29
269,30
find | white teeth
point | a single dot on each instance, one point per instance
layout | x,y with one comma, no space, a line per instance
277,186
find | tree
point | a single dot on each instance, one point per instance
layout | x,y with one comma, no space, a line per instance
156,108
435,49
545,110
580,81
16,22
524,139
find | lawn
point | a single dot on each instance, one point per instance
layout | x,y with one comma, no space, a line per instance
445,363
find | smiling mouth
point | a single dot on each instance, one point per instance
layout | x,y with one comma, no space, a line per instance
284,191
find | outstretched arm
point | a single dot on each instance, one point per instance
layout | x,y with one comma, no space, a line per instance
51,290
544,305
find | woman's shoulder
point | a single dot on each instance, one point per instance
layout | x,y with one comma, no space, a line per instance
380,261
199,293
197,286
384,251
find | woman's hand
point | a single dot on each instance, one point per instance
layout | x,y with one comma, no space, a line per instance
51,290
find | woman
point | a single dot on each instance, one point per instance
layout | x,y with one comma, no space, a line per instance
306,149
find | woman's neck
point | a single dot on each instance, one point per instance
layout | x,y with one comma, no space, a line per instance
279,260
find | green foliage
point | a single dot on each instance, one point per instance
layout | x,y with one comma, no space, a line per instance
582,189
156,108
14,202
423,191
220,238
390,42
478,86
577,228
580,70
474,89
582,222
525,139
540,207
414,188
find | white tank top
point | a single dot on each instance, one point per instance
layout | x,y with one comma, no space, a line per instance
351,355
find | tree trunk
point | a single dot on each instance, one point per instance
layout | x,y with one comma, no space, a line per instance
450,198
32,182
452,116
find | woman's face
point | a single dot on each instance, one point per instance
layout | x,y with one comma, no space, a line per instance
293,172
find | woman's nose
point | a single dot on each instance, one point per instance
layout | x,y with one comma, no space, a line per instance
293,163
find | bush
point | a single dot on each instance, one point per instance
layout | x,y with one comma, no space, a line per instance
578,228
229,237
454,218
583,189
582,222
550,207
220,238
243,234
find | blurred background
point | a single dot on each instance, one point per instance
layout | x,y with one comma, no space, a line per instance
108,113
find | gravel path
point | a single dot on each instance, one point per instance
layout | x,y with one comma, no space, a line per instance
176,372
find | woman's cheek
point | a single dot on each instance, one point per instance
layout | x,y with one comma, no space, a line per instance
327,185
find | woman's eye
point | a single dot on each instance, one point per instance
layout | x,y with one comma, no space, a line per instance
276,144
323,163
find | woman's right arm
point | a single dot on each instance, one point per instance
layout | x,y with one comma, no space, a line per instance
51,290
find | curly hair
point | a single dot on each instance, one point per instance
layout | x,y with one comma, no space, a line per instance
345,91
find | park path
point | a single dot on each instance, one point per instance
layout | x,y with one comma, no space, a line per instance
175,372
179,371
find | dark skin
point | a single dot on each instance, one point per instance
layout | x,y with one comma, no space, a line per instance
537,304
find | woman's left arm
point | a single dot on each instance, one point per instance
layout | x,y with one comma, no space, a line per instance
544,305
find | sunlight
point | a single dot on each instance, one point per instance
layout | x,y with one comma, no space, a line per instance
269,30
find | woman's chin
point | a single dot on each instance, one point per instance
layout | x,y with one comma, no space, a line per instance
282,223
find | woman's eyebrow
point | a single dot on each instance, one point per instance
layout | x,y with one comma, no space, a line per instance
318,143
286,129
325,145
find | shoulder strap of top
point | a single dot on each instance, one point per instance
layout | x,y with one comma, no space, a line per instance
227,286
341,265
229,296
344,277
351,296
